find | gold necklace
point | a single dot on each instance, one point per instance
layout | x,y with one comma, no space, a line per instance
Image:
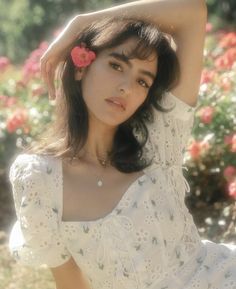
103,162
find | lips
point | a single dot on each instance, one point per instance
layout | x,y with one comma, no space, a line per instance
117,100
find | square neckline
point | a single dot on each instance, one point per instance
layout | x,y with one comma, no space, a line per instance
129,190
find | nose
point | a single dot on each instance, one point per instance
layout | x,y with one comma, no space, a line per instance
126,87
122,90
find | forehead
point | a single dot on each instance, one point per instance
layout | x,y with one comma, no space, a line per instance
127,46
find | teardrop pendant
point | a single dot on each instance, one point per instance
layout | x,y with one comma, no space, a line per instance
100,183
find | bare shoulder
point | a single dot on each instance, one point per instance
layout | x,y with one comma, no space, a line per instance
190,41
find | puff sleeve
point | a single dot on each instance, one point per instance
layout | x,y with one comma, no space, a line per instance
35,239
168,136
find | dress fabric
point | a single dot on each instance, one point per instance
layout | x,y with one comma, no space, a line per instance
149,240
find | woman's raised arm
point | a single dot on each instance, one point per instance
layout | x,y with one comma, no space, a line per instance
184,19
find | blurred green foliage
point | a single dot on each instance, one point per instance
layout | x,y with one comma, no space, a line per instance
222,13
25,23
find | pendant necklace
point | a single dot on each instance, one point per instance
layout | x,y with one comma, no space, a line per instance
104,163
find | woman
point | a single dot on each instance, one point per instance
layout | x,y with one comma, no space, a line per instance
100,198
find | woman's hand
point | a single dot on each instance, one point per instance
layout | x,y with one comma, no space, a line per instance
57,51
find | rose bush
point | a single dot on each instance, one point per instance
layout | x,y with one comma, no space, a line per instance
211,154
24,106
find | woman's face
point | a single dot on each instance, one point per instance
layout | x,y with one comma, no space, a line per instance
108,76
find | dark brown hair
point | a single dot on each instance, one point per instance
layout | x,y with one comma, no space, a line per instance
68,132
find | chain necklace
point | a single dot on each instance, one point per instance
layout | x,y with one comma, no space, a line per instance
103,162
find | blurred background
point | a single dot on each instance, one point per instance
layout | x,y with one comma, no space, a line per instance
26,29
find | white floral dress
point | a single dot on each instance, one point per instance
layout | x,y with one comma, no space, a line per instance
149,240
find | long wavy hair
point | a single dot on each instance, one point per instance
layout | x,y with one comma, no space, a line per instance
68,132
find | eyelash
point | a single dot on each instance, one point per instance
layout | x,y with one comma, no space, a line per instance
116,64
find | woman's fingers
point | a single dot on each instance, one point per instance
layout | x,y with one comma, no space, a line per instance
50,72
42,71
47,74
43,64
55,53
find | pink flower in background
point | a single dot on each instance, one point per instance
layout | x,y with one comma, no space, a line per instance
231,54
229,173
228,40
31,68
43,46
12,100
4,63
7,101
226,60
228,139
209,27
232,189
207,75
233,144
226,83
197,148
206,114
17,120
194,150
3,99
221,62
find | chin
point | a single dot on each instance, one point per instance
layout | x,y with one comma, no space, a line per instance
113,122
110,118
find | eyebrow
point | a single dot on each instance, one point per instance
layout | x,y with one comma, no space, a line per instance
125,59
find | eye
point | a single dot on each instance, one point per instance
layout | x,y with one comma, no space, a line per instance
113,64
145,84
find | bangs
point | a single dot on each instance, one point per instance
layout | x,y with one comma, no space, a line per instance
142,50
113,32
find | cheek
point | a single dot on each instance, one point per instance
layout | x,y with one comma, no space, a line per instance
98,84
97,78
134,106
91,86
139,100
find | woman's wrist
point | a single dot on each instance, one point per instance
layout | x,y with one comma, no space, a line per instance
74,25
79,22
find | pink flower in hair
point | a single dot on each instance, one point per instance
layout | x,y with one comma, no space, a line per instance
82,56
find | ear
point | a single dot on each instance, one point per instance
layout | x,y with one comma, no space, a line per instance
79,73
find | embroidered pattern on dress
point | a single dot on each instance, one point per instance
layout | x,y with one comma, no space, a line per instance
150,241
